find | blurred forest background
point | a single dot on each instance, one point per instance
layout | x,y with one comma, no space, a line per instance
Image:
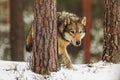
73,6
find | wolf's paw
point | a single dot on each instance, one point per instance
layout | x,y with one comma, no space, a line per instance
71,67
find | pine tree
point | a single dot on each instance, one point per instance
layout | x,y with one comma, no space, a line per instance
45,57
111,46
16,30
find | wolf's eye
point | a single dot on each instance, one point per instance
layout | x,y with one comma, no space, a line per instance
72,32
80,31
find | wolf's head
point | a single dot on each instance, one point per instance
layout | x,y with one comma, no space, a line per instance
71,28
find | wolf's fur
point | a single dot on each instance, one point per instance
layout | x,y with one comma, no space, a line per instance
71,29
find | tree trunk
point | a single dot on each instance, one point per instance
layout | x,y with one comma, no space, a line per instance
111,52
87,6
16,30
45,57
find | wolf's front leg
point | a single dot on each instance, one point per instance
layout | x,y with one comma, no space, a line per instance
66,59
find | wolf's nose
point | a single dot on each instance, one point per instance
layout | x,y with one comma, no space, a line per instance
77,42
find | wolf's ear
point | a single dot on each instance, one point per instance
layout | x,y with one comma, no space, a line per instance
83,21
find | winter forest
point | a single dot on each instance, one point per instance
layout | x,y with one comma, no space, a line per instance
59,39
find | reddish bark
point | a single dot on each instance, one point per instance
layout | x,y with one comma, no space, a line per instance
87,4
45,57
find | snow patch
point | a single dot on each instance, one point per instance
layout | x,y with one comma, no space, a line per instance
98,71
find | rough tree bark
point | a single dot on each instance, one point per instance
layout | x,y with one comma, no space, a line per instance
16,30
45,57
111,52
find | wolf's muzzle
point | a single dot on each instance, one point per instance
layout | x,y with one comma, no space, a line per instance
78,43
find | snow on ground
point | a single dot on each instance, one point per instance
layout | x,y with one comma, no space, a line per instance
97,71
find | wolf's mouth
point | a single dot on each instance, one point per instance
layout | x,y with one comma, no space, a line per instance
77,43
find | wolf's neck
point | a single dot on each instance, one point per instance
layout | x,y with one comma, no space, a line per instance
62,36
62,41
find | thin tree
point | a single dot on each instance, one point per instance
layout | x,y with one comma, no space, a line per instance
111,46
87,6
45,57
16,30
